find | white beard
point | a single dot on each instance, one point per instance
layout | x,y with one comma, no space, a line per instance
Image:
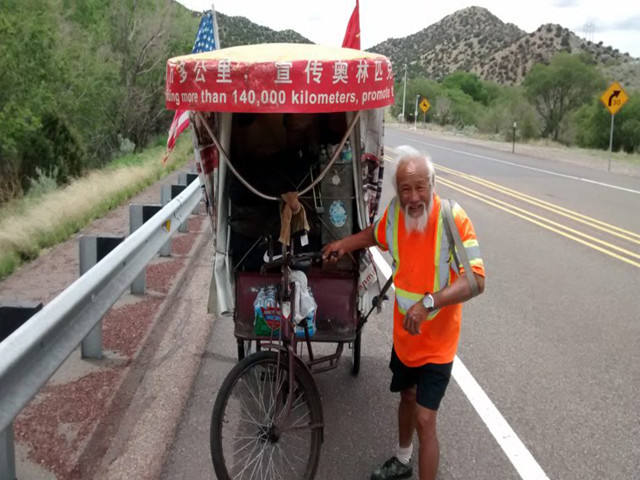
417,224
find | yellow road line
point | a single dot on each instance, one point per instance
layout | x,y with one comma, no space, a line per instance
464,189
578,217
543,225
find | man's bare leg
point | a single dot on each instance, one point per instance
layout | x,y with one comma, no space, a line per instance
429,448
406,417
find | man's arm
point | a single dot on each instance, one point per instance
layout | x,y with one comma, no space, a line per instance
362,239
458,292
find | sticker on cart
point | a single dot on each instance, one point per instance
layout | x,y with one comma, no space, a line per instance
337,213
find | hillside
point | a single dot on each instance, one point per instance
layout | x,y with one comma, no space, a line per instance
475,40
511,64
456,42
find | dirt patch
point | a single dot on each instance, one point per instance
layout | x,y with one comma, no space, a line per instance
160,275
182,244
124,328
64,416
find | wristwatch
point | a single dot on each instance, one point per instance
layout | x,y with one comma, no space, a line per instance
428,302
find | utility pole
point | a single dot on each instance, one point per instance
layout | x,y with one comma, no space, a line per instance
404,91
415,116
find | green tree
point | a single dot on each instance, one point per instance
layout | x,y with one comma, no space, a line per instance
28,79
415,86
470,84
77,77
559,88
510,106
593,122
463,110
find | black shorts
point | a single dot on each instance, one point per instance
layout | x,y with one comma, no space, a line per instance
431,380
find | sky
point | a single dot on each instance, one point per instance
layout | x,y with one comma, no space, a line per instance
616,24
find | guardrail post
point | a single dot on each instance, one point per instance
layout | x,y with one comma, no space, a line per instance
7,454
14,314
185,178
168,193
92,250
138,214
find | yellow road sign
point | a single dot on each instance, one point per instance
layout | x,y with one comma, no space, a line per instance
424,105
614,98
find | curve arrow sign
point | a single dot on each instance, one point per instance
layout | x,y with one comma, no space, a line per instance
615,94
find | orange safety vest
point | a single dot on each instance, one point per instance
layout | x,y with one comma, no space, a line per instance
423,262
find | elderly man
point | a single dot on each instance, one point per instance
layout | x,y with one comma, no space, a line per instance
427,309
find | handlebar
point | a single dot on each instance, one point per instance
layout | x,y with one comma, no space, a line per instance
297,260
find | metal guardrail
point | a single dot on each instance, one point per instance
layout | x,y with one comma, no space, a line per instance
31,354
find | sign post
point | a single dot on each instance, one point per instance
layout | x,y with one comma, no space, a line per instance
613,99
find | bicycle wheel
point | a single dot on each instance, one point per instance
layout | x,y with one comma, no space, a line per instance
245,443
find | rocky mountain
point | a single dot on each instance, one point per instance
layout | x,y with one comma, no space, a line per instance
454,43
475,40
242,31
511,64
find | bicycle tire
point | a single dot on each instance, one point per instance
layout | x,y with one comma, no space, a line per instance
262,366
356,353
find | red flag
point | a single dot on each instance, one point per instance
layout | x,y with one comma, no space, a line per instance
352,36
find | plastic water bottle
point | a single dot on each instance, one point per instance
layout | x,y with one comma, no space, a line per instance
309,320
258,320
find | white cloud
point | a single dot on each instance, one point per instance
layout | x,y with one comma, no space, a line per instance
629,23
566,3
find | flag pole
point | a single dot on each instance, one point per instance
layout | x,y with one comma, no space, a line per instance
215,26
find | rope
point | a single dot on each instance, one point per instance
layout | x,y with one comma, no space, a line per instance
225,157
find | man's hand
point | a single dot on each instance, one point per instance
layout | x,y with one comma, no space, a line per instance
414,318
333,251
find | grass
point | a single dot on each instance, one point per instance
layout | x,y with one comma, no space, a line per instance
36,222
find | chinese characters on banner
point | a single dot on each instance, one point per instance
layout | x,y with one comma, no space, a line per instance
333,85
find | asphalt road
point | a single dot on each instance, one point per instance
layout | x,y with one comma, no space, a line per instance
554,342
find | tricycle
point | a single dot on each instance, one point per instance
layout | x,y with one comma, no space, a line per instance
288,141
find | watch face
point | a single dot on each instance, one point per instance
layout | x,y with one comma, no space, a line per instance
427,301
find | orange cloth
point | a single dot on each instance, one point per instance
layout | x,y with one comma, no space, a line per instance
438,340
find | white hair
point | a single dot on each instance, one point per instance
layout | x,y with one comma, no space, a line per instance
405,155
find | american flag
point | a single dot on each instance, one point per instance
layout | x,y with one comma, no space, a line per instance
205,41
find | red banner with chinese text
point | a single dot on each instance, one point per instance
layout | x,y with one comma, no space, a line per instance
198,82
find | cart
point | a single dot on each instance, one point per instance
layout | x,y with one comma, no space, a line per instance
270,119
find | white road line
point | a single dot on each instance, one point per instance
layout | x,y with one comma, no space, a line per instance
542,170
514,449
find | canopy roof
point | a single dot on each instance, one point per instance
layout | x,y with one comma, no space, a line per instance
279,77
